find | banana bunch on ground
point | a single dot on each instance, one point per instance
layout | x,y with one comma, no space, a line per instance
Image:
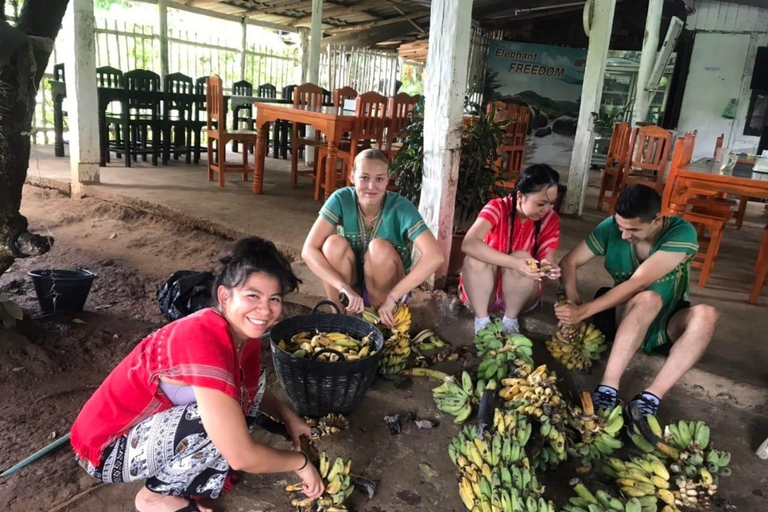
427,340
492,339
395,354
598,430
305,344
645,478
576,346
601,501
327,425
687,444
338,487
499,363
495,472
454,398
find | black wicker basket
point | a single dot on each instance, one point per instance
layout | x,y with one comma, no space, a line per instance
317,388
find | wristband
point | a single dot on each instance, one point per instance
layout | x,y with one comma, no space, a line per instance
390,296
306,461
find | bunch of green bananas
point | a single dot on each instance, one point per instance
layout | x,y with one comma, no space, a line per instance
645,478
492,339
576,346
506,361
427,340
599,431
601,501
454,398
338,487
327,425
395,354
687,443
306,344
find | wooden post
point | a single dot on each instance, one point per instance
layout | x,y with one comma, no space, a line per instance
591,93
162,10
316,34
647,60
244,48
446,80
304,49
80,63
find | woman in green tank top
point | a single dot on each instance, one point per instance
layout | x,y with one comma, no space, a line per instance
361,243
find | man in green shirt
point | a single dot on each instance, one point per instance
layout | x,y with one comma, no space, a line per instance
648,255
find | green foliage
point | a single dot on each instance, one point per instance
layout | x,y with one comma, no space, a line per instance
108,4
409,162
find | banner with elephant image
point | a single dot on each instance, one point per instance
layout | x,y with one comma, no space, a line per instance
548,80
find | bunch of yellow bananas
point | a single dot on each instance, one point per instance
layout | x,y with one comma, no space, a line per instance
599,431
694,494
338,487
305,344
576,346
327,425
496,474
601,501
645,478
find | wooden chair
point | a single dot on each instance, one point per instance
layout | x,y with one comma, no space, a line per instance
399,110
217,131
367,132
144,114
178,117
243,115
761,269
108,77
309,95
710,224
647,161
718,144
199,119
615,160
267,91
513,143
342,94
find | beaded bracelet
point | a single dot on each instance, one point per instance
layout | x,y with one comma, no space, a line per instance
390,296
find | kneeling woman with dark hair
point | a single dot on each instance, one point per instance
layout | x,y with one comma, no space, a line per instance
177,411
510,232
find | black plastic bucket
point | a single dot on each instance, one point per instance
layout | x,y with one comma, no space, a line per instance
317,388
62,291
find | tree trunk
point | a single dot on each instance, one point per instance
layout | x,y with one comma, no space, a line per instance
24,53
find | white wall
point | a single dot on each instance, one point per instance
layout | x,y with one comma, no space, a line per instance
728,18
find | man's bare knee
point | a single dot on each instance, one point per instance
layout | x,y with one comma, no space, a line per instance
704,315
647,301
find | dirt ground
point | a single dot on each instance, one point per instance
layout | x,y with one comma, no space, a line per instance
50,365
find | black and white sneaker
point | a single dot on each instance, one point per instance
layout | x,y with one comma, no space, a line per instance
641,406
605,397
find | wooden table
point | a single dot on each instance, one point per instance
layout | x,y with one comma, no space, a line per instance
333,122
704,175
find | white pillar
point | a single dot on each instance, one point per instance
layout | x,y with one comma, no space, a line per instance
647,59
446,81
162,11
304,49
82,100
244,48
591,93
316,35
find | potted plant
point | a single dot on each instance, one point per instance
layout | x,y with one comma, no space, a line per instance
478,172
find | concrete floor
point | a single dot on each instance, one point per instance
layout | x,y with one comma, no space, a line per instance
285,215
728,388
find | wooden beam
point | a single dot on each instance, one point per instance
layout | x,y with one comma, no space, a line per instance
446,81
591,93
370,37
162,12
243,48
228,17
373,24
647,59
304,49
343,9
315,37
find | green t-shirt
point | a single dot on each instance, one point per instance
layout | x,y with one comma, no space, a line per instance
399,223
621,261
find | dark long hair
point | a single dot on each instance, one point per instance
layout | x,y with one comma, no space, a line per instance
533,179
254,254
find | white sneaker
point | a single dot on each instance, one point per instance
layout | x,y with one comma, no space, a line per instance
511,326
480,323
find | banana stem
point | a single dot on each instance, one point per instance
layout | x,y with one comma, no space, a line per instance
583,492
426,372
